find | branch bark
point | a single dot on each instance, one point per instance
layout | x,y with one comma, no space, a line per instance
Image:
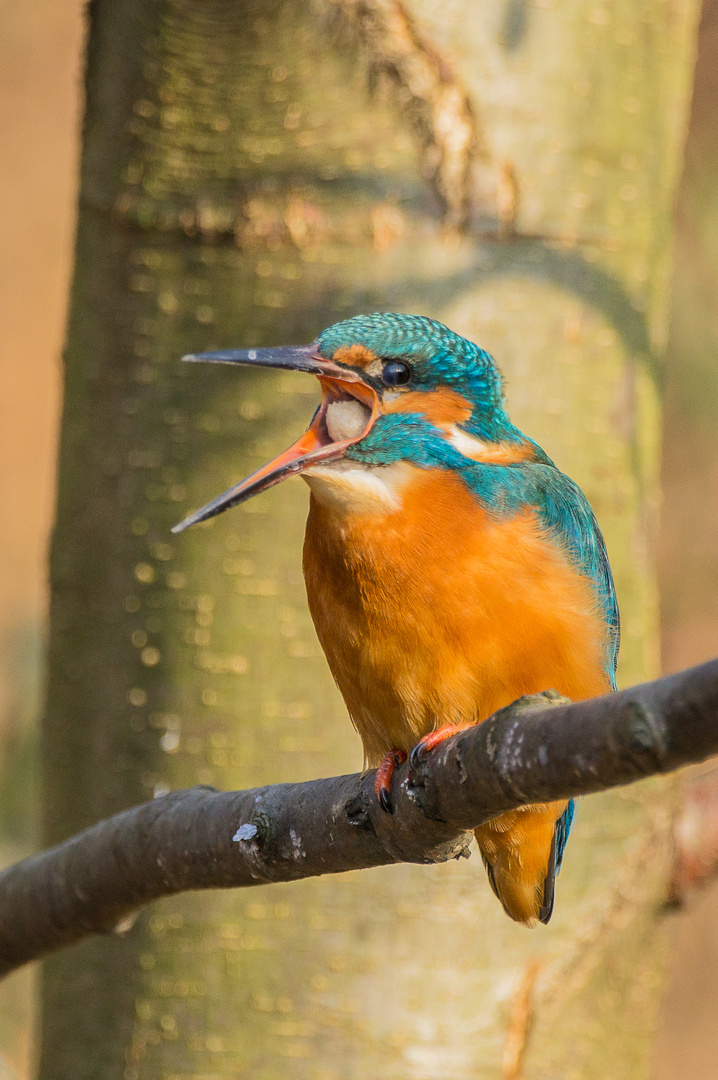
538,749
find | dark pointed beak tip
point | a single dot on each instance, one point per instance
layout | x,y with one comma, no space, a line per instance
307,449
290,357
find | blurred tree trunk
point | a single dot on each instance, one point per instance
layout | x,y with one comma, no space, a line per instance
251,173
689,556
688,565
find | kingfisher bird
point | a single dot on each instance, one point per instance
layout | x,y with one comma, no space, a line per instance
450,566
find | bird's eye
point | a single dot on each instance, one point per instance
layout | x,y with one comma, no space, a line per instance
394,373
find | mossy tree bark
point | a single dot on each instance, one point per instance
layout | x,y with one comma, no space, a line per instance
245,182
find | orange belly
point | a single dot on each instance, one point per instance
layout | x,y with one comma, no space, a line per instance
436,613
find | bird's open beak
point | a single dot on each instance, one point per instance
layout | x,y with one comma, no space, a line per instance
316,445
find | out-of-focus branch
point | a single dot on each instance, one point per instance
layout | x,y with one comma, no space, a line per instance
536,750
695,833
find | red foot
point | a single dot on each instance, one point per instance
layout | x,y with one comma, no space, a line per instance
432,740
384,774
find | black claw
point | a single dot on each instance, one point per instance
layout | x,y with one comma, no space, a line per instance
385,801
416,755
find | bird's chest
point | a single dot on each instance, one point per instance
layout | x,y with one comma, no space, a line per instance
430,612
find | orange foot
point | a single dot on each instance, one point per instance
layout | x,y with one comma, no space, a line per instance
384,774
432,740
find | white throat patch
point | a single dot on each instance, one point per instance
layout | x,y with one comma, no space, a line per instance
350,488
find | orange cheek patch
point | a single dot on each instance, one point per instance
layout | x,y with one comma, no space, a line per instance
355,355
439,406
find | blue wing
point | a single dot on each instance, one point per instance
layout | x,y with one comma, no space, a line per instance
566,512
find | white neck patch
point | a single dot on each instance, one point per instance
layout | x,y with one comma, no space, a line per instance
466,444
348,488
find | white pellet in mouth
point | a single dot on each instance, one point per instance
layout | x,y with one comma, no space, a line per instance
346,420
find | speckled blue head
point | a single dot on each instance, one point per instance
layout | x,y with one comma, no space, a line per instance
438,358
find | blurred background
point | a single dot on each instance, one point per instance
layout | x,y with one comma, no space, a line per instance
40,80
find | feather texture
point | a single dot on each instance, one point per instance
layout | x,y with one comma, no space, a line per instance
483,577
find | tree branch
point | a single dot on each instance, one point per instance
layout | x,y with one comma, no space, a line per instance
536,750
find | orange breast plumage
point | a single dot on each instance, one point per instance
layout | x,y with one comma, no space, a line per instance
432,611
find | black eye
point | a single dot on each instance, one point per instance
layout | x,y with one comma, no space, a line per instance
394,373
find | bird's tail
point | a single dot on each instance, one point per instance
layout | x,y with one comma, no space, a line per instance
522,853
